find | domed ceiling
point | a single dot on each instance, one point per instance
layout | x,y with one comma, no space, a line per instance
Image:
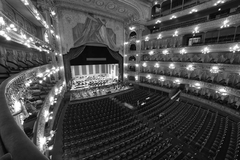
125,10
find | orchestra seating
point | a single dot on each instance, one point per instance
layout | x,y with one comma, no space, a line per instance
157,128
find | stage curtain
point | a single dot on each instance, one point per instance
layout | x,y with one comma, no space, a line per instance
72,54
94,30
75,52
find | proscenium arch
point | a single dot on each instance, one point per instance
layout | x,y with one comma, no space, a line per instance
74,53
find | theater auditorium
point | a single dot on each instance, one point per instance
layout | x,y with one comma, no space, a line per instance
119,79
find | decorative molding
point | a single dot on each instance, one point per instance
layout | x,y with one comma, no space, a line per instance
210,25
185,12
210,103
230,91
78,8
203,66
195,49
118,10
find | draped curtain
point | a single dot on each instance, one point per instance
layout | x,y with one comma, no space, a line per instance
94,30
72,54
75,52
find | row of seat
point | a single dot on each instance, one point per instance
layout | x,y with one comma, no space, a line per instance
158,128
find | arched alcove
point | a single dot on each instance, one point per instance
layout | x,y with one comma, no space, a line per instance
133,47
133,34
156,9
132,58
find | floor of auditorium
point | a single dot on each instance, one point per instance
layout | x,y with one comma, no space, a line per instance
188,150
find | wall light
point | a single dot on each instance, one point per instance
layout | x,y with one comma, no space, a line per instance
214,69
190,67
172,66
173,17
183,51
156,65
165,52
147,38
136,78
144,64
161,78
177,81
132,28
175,34
158,21
222,92
151,53
219,2
148,76
205,50
235,48
196,30
225,24
193,11
197,85
159,36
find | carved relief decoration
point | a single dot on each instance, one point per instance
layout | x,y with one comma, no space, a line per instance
130,10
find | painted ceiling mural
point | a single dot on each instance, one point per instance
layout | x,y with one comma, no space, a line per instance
78,28
105,19
133,10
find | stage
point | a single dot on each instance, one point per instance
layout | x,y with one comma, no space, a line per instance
79,94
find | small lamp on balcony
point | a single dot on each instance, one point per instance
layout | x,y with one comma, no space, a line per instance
205,50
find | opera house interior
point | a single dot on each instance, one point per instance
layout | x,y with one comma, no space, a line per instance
119,79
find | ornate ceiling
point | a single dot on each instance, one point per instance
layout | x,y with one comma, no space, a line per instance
124,10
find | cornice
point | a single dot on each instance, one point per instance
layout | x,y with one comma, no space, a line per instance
63,5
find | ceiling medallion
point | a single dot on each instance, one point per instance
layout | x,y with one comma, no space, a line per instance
129,14
111,6
100,3
121,10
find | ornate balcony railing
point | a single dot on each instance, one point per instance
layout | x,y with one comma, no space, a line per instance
29,5
231,68
211,103
12,111
20,35
16,88
54,96
185,11
229,90
209,25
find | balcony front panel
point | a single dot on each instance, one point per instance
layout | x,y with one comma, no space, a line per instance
229,90
211,25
